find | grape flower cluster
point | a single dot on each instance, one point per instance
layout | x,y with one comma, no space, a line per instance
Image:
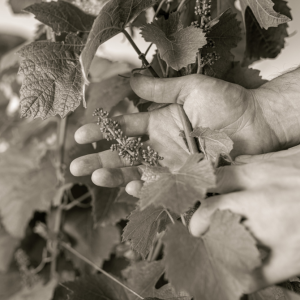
202,10
128,148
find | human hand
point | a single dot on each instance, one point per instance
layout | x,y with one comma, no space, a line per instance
208,102
265,191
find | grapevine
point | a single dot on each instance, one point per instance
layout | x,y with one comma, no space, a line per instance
69,237
130,149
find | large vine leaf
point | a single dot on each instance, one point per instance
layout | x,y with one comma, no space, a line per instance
222,37
27,184
95,287
265,43
274,292
89,6
264,13
8,245
106,211
142,278
143,226
245,77
62,16
177,46
213,143
215,265
53,82
112,19
178,190
96,244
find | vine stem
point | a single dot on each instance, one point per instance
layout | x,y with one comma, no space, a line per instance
187,127
82,257
140,54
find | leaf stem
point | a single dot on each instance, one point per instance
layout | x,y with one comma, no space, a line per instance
161,65
140,54
183,220
187,127
159,8
82,257
76,201
169,215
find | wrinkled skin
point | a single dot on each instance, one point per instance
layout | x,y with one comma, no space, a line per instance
258,121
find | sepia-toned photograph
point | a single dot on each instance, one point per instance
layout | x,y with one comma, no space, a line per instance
149,149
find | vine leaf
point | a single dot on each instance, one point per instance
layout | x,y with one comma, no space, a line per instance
106,211
96,244
143,226
264,13
189,183
95,287
142,278
177,46
89,6
8,245
62,16
27,184
274,292
112,19
265,43
221,259
17,6
213,143
245,77
53,83
224,36
37,292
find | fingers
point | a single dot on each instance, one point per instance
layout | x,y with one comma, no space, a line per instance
132,125
257,158
162,90
86,165
133,188
115,177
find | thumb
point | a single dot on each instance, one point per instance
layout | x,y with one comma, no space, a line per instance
163,90
246,159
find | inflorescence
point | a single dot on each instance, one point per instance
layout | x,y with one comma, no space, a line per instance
203,13
128,148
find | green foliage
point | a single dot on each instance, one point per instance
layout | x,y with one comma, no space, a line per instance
264,13
143,227
62,17
213,143
222,37
67,227
112,19
190,183
95,287
216,265
53,81
177,45
263,42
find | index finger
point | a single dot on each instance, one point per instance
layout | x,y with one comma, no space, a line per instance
163,90
131,125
